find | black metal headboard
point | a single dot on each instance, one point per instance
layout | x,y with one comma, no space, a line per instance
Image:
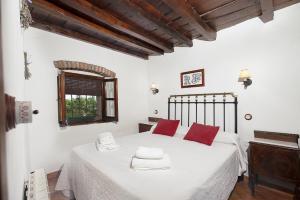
208,100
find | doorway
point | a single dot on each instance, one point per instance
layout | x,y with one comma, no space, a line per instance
3,181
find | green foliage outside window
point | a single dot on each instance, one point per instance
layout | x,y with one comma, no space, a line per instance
81,108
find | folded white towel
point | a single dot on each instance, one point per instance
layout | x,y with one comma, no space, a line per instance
148,164
103,148
106,138
106,142
149,153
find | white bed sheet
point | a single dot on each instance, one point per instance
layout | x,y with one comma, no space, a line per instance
199,172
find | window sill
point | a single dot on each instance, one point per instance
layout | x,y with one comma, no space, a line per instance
83,123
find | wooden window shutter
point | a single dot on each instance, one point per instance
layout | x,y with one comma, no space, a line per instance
61,99
110,100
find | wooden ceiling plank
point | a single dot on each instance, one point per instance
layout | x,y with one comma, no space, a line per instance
241,13
85,38
267,10
185,9
236,21
152,14
106,17
285,4
122,38
225,5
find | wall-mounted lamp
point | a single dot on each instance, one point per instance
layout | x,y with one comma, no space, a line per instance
245,78
154,88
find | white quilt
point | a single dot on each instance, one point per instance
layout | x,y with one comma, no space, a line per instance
199,172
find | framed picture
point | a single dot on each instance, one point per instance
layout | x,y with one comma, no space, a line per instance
193,78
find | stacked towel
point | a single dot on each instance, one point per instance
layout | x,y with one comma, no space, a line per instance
106,142
150,158
149,153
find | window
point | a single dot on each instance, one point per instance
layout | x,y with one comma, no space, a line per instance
84,99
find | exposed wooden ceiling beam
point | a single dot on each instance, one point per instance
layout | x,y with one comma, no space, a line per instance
243,12
185,9
83,37
106,17
150,12
225,5
267,10
231,22
122,38
285,4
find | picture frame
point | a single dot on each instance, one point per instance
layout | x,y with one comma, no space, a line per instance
194,78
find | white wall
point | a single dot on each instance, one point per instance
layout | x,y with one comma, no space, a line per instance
271,53
49,144
12,41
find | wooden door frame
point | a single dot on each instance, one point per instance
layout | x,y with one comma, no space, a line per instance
3,180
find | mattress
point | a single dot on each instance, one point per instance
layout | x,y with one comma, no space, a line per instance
198,171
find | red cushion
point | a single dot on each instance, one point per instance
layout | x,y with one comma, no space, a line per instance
166,127
202,133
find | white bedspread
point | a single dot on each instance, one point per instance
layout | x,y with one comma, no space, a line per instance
199,172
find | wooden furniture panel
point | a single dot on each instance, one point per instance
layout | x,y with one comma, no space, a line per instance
10,102
154,119
143,127
275,162
286,137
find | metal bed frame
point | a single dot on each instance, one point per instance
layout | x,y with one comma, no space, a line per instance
203,99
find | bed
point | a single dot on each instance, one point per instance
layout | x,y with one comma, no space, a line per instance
198,171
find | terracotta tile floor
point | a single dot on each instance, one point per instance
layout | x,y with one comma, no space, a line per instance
241,192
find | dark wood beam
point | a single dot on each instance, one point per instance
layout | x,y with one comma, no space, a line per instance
185,9
152,14
46,26
233,21
109,19
285,4
241,13
267,10
225,5
122,38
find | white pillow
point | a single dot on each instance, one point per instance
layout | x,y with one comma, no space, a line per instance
152,128
222,137
181,131
226,137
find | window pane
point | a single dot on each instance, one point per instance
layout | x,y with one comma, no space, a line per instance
77,106
109,89
82,108
68,100
110,108
90,107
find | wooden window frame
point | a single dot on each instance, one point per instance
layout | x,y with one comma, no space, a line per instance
62,119
115,99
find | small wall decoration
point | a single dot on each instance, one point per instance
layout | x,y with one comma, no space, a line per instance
17,112
193,78
27,73
23,112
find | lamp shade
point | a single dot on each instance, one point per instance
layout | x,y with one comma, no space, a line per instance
154,86
244,75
